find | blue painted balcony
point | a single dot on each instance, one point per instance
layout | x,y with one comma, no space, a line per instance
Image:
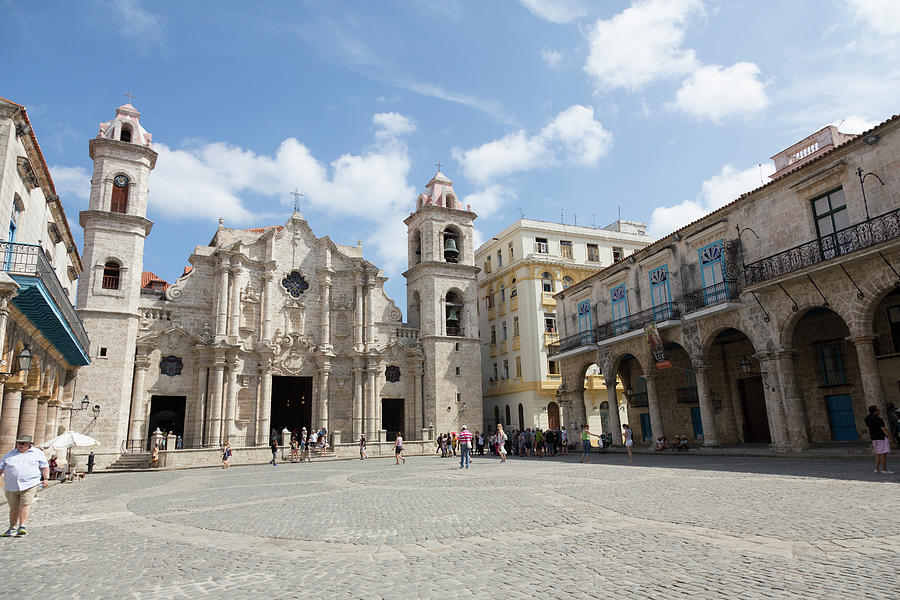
43,301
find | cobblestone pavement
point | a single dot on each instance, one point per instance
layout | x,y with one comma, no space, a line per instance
665,527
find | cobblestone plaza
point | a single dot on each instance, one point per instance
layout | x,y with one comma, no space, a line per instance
669,526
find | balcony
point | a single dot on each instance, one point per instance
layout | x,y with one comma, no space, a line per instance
455,331
585,338
408,336
713,295
550,337
548,300
840,243
42,299
687,395
514,304
667,311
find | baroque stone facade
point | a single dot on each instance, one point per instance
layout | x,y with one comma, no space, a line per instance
778,315
268,329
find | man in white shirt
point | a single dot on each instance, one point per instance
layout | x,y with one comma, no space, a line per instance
24,469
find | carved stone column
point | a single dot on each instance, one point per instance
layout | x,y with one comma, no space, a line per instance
234,316
231,397
326,310
656,422
707,410
9,416
324,374
870,376
612,398
358,316
200,412
215,402
52,418
222,300
268,305
265,402
370,313
773,392
357,402
138,418
792,418
40,420
28,413
370,403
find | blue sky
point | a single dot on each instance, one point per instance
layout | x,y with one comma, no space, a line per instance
665,108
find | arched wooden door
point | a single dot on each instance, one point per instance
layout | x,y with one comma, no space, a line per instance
553,415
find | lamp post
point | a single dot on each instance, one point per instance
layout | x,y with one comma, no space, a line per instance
746,367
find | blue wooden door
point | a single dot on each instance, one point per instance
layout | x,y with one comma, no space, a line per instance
840,417
646,429
696,422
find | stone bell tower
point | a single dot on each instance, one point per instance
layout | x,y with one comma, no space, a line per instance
115,226
442,293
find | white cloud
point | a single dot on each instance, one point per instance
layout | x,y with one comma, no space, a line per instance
573,135
204,181
714,92
487,202
642,44
882,16
391,125
715,192
143,27
854,124
556,11
553,58
71,182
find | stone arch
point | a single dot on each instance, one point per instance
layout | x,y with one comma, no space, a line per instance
452,232
710,336
455,307
414,309
415,250
863,324
789,325
125,133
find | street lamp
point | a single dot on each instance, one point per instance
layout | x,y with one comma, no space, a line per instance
85,402
22,362
746,368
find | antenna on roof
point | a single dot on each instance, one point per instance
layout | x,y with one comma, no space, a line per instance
576,219
761,175
521,213
620,212
594,220
560,216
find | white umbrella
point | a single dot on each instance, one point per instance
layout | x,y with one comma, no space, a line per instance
69,439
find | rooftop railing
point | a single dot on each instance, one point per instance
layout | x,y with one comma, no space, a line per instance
840,243
29,259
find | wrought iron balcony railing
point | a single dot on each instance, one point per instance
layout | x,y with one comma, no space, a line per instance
667,311
840,243
719,293
583,338
29,259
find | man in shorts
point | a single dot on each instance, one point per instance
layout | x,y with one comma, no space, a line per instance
881,439
25,470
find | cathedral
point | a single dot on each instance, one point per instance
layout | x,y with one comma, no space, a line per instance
270,327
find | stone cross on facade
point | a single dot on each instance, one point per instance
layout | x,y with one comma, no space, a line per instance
130,95
438,165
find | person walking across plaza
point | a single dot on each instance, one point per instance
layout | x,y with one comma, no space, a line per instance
501,442
628,438
465,447
586,443
362,447
881,439
398,450
226,455
274,447
25,470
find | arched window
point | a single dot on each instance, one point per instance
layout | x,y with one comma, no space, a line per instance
497,415
119,201
547,282
453,316
514,291
111,272
567,282
508,419
125,134
417,248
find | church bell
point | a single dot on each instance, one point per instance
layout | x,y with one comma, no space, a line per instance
450,246
452,314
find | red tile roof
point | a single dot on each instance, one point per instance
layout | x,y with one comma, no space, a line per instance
148,278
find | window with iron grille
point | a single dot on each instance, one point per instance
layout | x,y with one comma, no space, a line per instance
111,272
830,364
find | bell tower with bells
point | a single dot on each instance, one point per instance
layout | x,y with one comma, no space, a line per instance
442,296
